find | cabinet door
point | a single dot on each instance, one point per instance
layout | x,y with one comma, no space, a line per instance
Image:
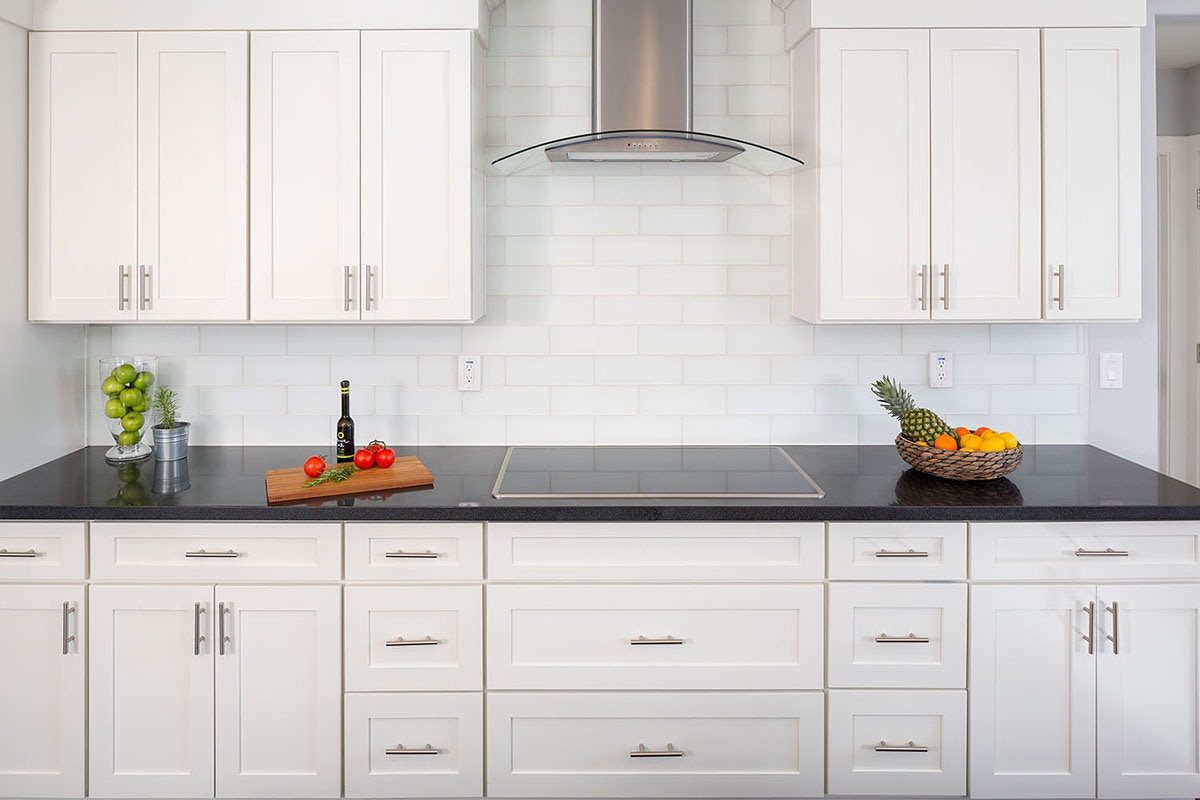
874,174
304,156
279,691
418,176
1032,692
1092,139
82,176
1148,715
192,130
986,174
41,729
150,695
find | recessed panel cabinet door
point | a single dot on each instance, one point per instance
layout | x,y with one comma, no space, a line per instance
192,176
1148,703
418,174
304,192
1032,691
279,691
41,672
82,176
874,174
1092,151
986,178
150,698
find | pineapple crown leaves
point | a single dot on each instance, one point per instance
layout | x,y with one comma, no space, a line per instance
893,397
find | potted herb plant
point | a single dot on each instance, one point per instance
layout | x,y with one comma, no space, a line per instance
170,433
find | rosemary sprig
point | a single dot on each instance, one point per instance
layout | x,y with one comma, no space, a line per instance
331,475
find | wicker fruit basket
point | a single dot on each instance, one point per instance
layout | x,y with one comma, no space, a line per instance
956,465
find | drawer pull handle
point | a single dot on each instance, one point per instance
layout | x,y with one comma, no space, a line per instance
400,641
68,637
909,553
401,750
30,553
1090,610
222,638
1116,636
197,637
403,554
202,553
911,747
912,638
668,639
642,752
1108,551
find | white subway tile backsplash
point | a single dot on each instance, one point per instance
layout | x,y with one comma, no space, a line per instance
248,401
284,370
201,371
726,190
548,71
1058,429
236,340
546,430
641,310
690,280
854,339
727,310
756,40
728,429
710,40
515,281
326,340
417,340
727,250
760,220
573,40
681,400
710,101
638,370
481,340
518,101
909,371
683,220
1037,339
524,130
593,400
437,370
1035,399
594,340
940,338
988,369
549,371
551,190
375,370
327,399
638,250
731,70
175,340
630,190
681,339
793,338
770,399
206,430
460,430
548,250
656,430
598,280
548,12
768,280
816,429
420,401
292,429
595,221
733,14
813,370
573,101
508,400
1061,369
727,370
760,100
509,40
552,310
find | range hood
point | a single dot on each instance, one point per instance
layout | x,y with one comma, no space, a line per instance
642,97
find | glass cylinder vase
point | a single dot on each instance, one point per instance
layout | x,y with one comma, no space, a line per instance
127,383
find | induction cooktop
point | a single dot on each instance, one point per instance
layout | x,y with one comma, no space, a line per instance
652,472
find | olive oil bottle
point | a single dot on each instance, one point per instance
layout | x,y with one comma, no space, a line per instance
345,429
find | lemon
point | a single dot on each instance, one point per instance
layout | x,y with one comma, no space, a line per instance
923,444
1010,441
991,444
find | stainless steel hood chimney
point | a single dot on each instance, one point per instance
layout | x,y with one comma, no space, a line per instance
642,97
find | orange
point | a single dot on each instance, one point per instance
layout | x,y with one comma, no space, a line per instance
960,432
980,430
946,442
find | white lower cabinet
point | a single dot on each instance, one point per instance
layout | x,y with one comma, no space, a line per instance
1085,691
713,744
898,743
42,651
414,745
232,690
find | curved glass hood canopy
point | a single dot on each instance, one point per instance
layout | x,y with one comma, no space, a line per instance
642,97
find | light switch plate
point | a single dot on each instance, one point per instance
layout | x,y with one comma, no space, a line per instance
1111,371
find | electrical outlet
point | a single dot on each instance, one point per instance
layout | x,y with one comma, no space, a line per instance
941,370
469,368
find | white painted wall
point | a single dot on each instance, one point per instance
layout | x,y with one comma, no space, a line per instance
41,390
626,303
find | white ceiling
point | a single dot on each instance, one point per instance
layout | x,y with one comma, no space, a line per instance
1177,44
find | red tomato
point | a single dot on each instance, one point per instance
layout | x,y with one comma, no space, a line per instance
376,445
385,457
314,466
364,459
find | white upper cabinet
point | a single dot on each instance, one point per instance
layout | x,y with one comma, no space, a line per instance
137,185
927,177
1093,247
409,247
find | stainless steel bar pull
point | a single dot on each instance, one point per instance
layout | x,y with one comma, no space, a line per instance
197,637
401,750
202,553
1116,634
642,752
30,553
67,636
911,747
400,641
668,639
924,278
1108,551
122,287
1090,610
347,287
144,287
411,554
912,638
370,289
946,287
909,553
1059,276
222,638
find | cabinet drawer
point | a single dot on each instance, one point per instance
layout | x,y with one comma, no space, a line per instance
914,551
42,550
656,551
616,745
898,634
216,551
414,638
1084,550
898,743
418,551
389,739
652,637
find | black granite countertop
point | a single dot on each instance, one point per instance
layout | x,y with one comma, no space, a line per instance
1054,482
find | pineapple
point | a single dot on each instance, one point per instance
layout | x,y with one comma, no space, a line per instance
917,424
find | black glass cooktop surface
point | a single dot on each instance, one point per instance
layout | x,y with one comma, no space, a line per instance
615,472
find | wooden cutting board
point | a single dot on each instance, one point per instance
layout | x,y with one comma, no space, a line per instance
284,485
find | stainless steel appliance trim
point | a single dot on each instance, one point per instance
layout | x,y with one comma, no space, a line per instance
816,494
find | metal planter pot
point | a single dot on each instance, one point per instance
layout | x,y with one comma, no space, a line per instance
170,444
